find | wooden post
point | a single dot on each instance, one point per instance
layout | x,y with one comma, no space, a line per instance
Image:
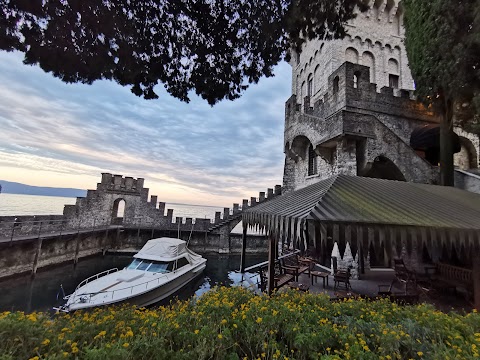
244,247
476,281
361,253
77,249
271,264
77,245
37,257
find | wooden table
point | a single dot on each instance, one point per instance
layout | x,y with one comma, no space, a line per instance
316,274
299,286
346,294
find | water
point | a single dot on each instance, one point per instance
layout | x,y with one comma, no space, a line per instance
40,294
16,204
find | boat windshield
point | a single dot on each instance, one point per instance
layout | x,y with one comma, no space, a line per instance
133,265
152,266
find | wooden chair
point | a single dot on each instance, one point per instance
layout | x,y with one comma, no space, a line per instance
281,278
292,265
409,295
402,273
342,276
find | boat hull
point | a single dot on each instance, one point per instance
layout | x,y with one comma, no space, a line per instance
149,296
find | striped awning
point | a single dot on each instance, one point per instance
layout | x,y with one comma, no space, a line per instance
384,210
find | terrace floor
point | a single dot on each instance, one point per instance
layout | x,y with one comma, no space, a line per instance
368,286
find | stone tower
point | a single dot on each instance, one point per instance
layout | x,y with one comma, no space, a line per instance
353,111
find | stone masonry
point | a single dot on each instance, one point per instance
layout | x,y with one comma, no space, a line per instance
353,110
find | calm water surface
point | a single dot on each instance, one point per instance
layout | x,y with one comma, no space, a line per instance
15,204
40,294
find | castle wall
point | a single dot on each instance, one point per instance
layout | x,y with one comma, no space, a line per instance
351,127
375,39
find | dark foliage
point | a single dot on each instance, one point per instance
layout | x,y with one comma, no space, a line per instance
214,47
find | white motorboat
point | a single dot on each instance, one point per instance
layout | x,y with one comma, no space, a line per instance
158,270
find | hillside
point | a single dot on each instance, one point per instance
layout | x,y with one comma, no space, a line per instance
9,187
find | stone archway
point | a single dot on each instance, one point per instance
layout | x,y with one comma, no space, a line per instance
384,168
467,157
118,211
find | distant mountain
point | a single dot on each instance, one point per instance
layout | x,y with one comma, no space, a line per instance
9,187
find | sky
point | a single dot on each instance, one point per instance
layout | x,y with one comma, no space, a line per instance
65,135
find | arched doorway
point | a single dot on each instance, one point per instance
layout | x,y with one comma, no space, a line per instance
384,168
466,158
118,211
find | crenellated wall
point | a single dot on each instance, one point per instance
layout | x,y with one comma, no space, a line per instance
352,130
99,207
92,226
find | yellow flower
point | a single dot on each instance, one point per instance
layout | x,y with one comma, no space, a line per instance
34,358
223,322
126,345
220,336
65,354
46,342
196,331
419,353
235,326
259,320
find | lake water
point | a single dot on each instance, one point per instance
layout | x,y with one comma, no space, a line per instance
16,204
40,294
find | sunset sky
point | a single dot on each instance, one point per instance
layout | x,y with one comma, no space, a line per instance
65,135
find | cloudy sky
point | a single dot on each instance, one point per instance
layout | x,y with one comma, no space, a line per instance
65,135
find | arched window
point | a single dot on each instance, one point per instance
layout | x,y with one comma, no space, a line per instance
336,84
316,78
118,211
369,60
356,78
310,85
351,55
393,74
312,161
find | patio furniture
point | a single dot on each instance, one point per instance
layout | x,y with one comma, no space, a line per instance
345,294
298,286
342,277
410,295
280,279
316,274
445,276
292,265
402,273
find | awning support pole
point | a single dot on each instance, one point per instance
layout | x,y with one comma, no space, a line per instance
476,282
271,264
244,247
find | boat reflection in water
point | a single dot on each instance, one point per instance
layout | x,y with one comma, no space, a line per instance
162,267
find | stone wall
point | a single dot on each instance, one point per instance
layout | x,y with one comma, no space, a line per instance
351,128
467,181
28,256
375,39
100,206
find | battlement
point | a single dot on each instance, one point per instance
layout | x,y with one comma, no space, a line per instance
349,88
120,183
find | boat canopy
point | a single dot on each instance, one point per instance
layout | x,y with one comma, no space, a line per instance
164,249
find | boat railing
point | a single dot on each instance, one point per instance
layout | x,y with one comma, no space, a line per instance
125,289
95,277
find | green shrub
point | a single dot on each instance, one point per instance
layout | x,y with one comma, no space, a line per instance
233,323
